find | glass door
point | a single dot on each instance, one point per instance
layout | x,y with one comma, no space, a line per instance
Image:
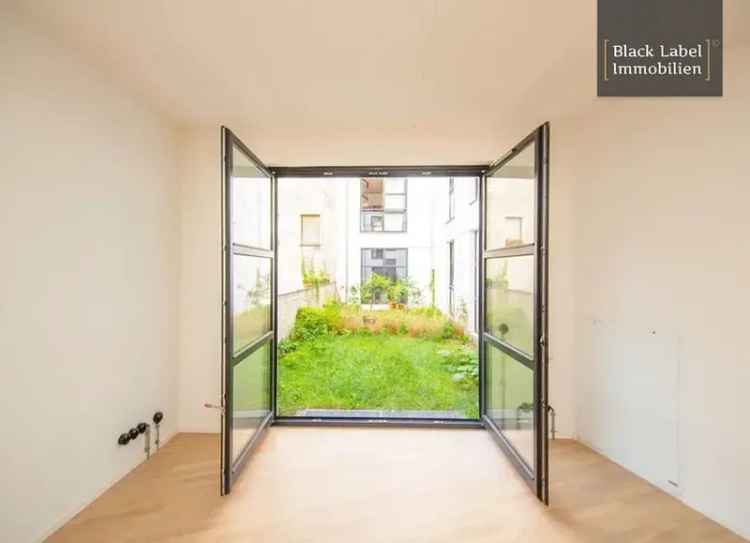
249,244
514,298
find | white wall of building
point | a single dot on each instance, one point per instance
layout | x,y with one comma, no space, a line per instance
307,196
200,295
461,230
659,191
88,289
417,238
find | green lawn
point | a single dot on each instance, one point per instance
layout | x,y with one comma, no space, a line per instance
379,371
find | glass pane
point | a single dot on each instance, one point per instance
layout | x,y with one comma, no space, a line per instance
511,201
395,222
372,193
395,202
251,300
372,222
395,185
251,398
510,301
510,400
251,203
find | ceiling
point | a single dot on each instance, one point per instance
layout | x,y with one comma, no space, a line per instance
340,82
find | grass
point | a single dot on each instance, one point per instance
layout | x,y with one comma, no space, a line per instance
377,371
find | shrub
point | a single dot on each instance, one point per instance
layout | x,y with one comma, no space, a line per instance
310,323
339,318
374,288
287,346
430,311
453,330
332,311
463,364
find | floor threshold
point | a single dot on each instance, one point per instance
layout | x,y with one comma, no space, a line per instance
379,422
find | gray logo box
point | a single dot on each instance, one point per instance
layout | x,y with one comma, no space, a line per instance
660,48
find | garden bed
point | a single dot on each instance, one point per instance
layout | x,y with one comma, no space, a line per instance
340,357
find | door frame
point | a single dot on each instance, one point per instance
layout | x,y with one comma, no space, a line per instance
541,135
538,480
322,172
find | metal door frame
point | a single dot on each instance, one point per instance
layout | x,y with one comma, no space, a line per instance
538,479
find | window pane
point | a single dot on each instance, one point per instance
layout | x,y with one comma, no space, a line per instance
510,301
513,231
395,185
391,263
251,399
372,193
395,222
310,229
510,400
395,202
398,256
251,299
372,221
510,193
251,203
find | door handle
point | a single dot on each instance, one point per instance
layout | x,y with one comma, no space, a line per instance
213,406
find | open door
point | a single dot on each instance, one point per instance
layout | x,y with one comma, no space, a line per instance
249,244
513,343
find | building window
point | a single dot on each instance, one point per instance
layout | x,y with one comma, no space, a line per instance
476,190
513,231
451,278
383,204
451,199
310,230
391,263
475,273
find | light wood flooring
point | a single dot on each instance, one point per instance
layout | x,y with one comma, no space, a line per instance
364,485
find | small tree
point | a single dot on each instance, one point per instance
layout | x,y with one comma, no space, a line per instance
403,291
354,297
376,286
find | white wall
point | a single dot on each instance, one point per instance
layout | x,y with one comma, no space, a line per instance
660,268
460,230
299,197
200,310
418,239
88,282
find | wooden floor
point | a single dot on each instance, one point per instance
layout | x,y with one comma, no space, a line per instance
382,485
